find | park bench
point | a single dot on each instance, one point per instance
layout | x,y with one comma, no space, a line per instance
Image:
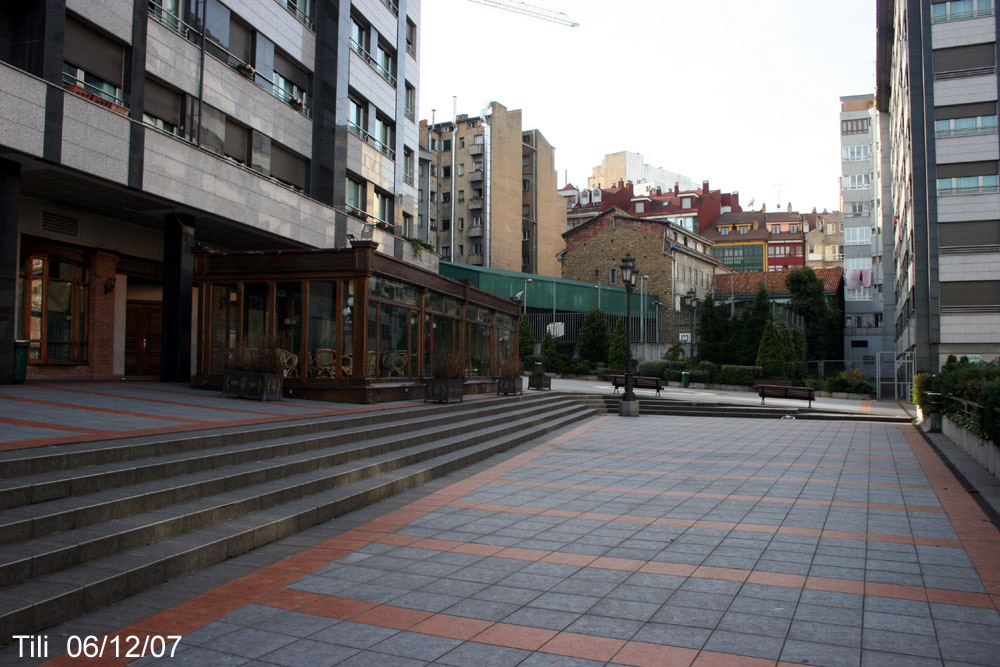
771,383
785,391
638,382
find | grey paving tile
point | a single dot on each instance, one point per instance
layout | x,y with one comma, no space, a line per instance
309,652
963,650
673,635
603,626
416,646
538,659
534,617
483,655
771,626
820,654
881,659
251,614
898,623
201,656
564,602
295,624
743,644
485,610
637,611
356,635
715,601
825,633
373,659
205,635
900,642
251,642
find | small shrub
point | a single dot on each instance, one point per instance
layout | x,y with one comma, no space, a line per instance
449,367
989,398
679,364
710,368
851,381
671,375
675,352
740,375
583,367
700,376
263,358
653,368
510,368
922,383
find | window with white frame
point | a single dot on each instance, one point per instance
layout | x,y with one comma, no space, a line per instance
857,235
957,10
959,127
856,153
967,185
857,182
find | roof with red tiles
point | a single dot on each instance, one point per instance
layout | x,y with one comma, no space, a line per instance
749,282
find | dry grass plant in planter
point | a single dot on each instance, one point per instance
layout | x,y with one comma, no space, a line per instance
447,383
254,372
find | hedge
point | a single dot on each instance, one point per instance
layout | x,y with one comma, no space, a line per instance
851,382
741,375
654,368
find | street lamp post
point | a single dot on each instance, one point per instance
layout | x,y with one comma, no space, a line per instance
629,405
691,300
526,281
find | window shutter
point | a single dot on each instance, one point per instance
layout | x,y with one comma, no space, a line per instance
291,71
288,167
94,53
162,102
236,141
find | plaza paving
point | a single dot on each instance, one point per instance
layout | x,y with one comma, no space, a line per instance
650,541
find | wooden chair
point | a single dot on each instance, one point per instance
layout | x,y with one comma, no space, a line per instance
371,369
290,363
324,363
346,365
398,363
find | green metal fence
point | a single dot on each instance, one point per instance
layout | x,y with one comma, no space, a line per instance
574,296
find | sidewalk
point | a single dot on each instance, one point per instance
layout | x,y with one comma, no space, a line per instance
650,541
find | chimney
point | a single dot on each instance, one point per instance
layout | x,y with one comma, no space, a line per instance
814,210
621,183
789,207
677,187
704,187
658,192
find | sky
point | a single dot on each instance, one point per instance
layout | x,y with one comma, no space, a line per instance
744,94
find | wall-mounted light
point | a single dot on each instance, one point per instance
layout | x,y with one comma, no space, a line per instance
109,285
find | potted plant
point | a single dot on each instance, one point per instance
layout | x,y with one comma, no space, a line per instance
254,372
448,382
509,380
246,69
538,379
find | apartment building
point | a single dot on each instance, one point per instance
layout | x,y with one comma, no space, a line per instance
136,132
631,167
491,192
825,241
862,179
937,89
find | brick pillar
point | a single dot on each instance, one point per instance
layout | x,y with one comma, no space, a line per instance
101,315
178,282
10,186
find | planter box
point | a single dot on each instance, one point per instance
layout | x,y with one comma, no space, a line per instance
444,391
985,452
259,386
510,386
539,382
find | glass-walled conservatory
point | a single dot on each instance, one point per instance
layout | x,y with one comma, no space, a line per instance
350,325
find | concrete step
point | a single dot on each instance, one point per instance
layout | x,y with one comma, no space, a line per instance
25,489
189,536
668,407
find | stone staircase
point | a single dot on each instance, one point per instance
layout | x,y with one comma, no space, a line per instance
86,524
608,404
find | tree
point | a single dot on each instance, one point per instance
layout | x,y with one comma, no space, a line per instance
748,329
550,353
594,337
770,355
714,332
525,340
619,344
821,321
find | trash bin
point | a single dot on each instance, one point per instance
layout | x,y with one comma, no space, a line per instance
20,361
685,379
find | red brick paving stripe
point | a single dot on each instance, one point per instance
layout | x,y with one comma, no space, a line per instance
705,475
978,536
575,645
701,450
641,654
51,427
88,408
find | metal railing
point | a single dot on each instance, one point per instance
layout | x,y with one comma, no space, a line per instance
962,73
93,93
964,132
392,5
357,131
968,190
959,16
952,404
297,103
373,63
299,12
411,49
408,177
171,21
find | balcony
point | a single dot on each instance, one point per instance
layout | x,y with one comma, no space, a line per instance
476,260
361,134
475,203
392,5
299,9
476,176
476,149
373,63
408,178
476,232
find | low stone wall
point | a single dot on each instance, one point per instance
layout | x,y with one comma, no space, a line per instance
985,452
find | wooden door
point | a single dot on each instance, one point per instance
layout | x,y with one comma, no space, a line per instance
143,335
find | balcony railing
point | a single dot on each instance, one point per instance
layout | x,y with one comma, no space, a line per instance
960,16
962,73
476,232
392,5
476,202
965,132
373,63
382,148
297,103
357,131
408,178
968,190
411,49
476,149
410,114
299,9
171,21
94,94
476,175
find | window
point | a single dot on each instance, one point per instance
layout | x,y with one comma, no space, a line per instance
686,202
163,108
963,61
477,221
461,170
477,248
289,83
461,142
445,252
793,229
967,185
411,38
857,126
857,235
525,185
434,145
724,231
54,315
858,208
446,197
356,196
857,182
410,104
461,250
640,207
744,229
288,167
236,145
446,145
856,153
613,275
383,208
461,223
959,127
359,37
957,10
775,229
445,172
94,65
408,166
461,195
445,225
385,137
526,210
525,235
479,139
357,117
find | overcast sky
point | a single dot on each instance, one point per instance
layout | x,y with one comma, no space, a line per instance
742,93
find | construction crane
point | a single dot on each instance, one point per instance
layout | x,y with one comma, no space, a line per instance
530,10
